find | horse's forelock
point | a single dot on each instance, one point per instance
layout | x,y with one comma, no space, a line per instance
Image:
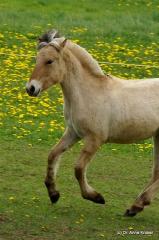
49,36
42,44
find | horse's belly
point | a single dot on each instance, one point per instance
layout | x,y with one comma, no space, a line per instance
128,139
131,133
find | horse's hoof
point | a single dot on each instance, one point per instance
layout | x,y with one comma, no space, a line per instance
129,213
133,211
99,199
54,197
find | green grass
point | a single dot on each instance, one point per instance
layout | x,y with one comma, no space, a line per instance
26,212
104,20
114,31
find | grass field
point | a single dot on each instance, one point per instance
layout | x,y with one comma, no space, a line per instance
122,31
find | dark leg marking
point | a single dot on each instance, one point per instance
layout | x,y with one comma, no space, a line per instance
94,197
78,174
133,211
144,201
97,198
54,195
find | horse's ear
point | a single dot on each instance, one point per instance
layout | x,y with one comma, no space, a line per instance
47,38
63,44
59,45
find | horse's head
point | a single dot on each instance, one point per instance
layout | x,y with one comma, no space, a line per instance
50,66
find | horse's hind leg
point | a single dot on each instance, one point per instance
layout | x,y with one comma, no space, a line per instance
89,149
143,199
69,138
147,195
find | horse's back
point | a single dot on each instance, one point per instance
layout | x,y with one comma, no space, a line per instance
135,114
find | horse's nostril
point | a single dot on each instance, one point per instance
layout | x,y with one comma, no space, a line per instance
32,89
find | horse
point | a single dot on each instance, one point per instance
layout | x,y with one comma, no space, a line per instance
98,109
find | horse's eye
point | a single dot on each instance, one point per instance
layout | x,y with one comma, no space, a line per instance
49,62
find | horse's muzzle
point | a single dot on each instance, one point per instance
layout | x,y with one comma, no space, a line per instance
32,91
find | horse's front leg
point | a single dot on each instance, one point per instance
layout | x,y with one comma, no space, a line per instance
89,149
153,186
69,138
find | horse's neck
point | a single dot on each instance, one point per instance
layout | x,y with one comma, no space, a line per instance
83,75
73,81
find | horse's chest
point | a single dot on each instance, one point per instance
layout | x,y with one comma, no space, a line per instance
74,121
85,121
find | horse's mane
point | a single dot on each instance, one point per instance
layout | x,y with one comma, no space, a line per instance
86,60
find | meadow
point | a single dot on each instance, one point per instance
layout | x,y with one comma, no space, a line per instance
121,31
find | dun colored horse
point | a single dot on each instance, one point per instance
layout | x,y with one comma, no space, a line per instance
98,108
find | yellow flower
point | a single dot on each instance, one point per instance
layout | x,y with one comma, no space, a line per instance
101,235
11,198
130,228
